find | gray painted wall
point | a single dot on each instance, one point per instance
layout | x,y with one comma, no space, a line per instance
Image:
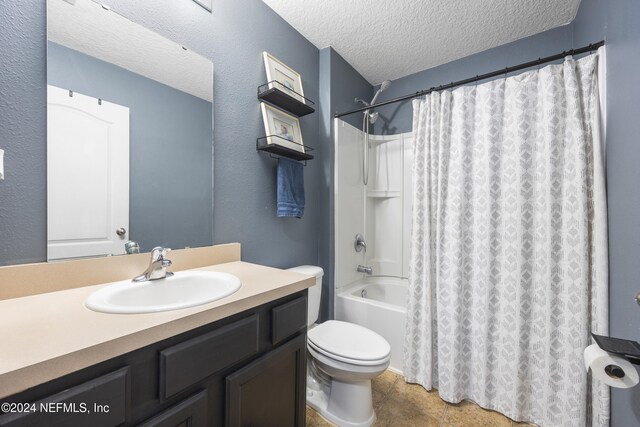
623,176
23,133
171,202
340,83
233,36
616,22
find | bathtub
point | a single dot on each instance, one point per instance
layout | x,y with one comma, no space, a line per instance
377,303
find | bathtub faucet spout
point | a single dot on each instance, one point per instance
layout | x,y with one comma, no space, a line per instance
363,269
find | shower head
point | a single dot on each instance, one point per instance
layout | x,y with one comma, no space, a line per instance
369,118
383,86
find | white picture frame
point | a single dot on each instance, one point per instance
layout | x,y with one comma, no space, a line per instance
289,80
281,128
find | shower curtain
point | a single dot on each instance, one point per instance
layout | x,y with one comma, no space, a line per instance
509,269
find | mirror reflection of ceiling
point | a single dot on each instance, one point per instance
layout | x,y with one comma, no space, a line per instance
93,30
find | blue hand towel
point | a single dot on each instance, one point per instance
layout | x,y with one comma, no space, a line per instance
290,188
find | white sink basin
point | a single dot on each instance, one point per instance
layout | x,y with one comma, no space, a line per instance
182,290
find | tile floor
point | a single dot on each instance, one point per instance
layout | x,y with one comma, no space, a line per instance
400,404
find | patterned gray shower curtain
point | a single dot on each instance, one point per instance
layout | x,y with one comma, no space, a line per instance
509,270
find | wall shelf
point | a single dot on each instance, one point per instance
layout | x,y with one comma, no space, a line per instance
383,194
278,97
270,144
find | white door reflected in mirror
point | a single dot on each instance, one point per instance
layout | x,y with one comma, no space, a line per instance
87,176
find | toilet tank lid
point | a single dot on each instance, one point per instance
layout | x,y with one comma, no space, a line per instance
309,270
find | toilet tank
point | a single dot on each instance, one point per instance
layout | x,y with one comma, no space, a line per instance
315,291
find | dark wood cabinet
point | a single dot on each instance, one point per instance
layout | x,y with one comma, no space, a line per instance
77,405
271,390
190,362
248,369
191,412
288,319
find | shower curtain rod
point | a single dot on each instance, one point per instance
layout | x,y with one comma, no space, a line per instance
496,73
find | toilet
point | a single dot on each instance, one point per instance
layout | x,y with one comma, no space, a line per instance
342,360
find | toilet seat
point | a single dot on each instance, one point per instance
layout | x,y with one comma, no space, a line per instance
349,343
345,360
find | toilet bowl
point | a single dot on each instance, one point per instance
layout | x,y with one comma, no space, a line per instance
347,357
342,360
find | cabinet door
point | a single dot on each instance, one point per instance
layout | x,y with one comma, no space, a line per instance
188,413
270,392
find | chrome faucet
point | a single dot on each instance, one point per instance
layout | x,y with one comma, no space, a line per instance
157,266
131,247
363,269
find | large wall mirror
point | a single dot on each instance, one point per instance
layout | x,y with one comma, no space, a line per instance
129,136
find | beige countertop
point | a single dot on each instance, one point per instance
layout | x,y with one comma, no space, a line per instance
48,335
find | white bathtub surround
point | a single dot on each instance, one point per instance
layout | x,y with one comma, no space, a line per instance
509,249
381,211
388,205
378,304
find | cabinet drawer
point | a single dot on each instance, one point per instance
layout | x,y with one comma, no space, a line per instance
96,403
288,319
187,363
189,412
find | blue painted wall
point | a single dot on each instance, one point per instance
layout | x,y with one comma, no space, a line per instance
622,33
23,132
171,202
340,83
233,36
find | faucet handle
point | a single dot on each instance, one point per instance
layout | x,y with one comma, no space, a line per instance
158,253
132,247
359,244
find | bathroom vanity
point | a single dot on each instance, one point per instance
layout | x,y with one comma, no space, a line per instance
236,361
147,103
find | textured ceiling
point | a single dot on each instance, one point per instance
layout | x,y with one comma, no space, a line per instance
85,26
385,39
